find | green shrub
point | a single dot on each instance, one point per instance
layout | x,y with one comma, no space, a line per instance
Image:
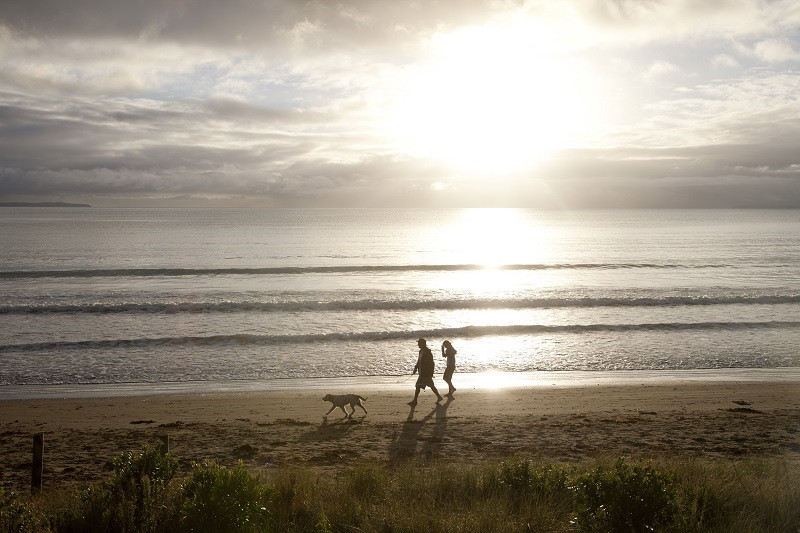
81,509
135,487
131,499
522,478
625,498
759,494
515,475
15,516
132,472
218,499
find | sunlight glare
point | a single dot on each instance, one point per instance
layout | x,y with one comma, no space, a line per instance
495,380
494,237
490,98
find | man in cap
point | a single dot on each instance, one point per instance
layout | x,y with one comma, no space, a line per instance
425,368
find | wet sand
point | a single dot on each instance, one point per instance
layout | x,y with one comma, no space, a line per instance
272,428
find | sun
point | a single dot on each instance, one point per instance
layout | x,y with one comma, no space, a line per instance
489,98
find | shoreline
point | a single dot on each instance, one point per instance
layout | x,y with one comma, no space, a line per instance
482,380
694,417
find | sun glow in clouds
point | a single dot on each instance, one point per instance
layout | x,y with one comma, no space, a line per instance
490,98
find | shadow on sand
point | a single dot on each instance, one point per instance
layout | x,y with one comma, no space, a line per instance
404,443
331,431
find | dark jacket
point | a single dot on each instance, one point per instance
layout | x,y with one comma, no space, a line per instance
425,363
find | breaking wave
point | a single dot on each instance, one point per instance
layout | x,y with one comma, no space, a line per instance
394,305
173,272
467,331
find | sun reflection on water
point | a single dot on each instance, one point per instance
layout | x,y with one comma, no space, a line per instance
487,237
494,379
494,237
507,252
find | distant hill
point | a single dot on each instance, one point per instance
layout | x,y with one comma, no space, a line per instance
41,204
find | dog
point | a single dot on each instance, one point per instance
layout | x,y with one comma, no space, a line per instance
340,400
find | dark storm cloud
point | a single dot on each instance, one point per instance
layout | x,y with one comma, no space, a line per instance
238,23
53,136
750,175
99,148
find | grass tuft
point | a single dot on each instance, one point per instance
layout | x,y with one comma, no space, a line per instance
516,495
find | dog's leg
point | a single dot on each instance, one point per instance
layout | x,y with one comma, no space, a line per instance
343,410
329,410
361,406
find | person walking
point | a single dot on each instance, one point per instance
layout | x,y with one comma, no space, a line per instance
424,366
450,353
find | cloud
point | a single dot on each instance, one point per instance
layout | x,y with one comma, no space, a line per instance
660,69
236,108
775,51
678,20
724,61
286,103
240,23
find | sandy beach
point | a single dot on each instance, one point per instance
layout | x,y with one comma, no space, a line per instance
271,428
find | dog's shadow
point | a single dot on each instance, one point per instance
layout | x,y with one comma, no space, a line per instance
331,431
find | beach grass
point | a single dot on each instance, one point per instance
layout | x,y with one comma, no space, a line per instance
145,493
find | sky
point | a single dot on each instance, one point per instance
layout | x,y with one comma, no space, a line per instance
386,103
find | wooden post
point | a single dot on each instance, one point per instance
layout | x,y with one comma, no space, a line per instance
164,446
38,462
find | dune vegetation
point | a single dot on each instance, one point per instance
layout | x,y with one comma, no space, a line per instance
146,493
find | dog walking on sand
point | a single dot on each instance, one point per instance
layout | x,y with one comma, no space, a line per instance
340,400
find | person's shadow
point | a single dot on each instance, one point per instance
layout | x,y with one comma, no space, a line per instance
403,446
439,413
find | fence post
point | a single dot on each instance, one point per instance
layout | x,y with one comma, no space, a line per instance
38,462
164,444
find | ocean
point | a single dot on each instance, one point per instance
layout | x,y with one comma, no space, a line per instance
105,297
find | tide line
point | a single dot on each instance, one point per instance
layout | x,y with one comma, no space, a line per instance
376,384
